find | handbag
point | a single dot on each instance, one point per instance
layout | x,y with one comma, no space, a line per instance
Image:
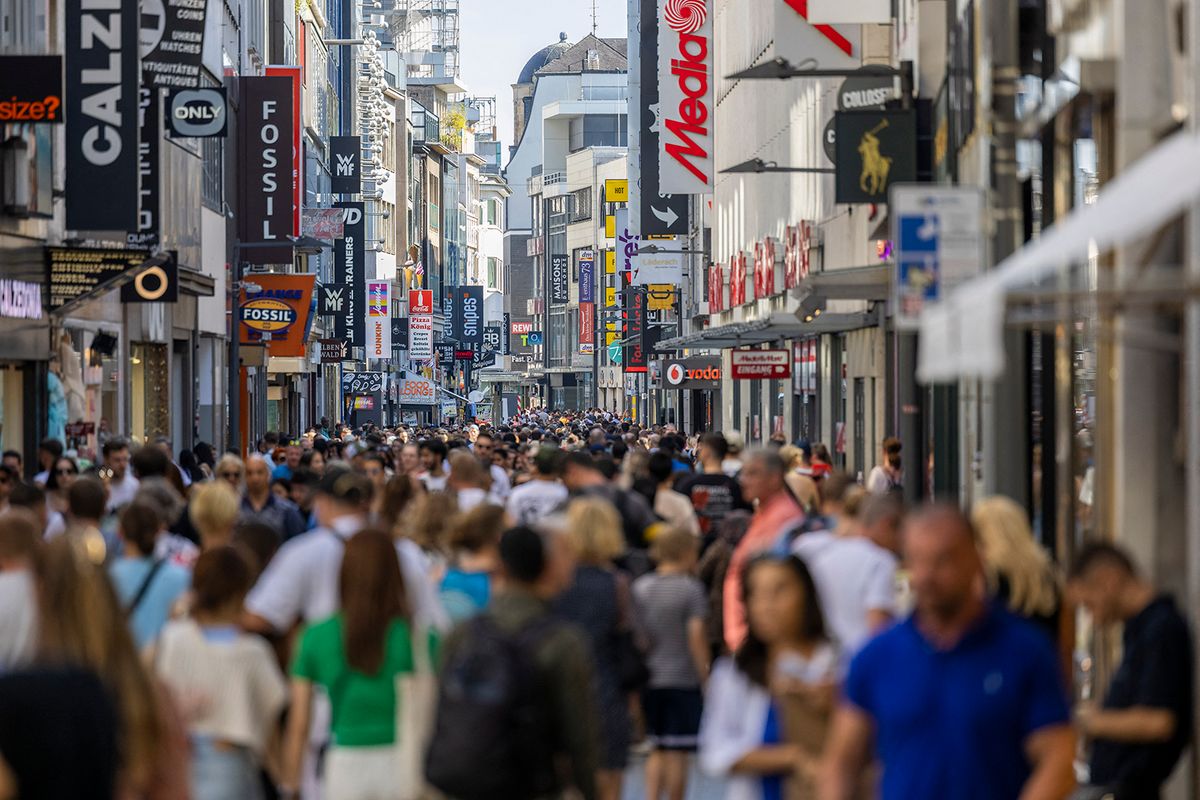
416,700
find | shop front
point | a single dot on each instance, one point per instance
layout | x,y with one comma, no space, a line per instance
25,380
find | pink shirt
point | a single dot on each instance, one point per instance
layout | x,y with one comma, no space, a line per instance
770,521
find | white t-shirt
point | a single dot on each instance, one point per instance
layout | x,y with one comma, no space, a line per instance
18,618
880,482
853,576
121,492
501,485
435,484
533,501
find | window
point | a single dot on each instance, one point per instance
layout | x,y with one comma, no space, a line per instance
493,212
493,276
212,182
581,205
598,130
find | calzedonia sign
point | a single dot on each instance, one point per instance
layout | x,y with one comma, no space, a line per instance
685,97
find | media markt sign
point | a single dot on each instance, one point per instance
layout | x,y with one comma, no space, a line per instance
685,97
748,365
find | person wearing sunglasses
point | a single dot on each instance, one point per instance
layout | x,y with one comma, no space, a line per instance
62,475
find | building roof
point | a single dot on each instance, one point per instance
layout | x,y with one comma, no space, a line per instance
611,57
543,57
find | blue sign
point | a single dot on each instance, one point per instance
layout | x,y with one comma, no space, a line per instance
535,338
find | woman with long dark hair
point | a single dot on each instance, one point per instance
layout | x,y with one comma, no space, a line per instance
767,708
356,656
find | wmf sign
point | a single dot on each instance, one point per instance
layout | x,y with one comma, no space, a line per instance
345,156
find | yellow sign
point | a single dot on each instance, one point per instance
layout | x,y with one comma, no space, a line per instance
616,191
610,261
660,297
610,226
609,338
610,296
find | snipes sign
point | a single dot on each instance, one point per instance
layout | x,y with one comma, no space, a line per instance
685,89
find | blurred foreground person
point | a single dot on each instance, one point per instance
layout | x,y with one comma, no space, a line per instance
19,540
1019,572
962,699
1144,724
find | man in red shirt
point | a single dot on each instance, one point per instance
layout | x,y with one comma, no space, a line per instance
762,479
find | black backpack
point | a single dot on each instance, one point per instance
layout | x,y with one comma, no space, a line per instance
492,738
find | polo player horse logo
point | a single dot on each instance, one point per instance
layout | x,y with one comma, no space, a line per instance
876,166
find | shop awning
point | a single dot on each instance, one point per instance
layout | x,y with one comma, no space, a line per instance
288,365
780,326
854,283
962,336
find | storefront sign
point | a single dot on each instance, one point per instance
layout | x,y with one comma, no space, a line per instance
445,354
660,297
866,90
158,283
804,374
379,320
450,320
145,233
293,74
361,382
505,327
874,150
520,327
31,89
635,329
832,46
77,430
416,391
587,276
796,254
587,328
716,288
559,291
660,213
102,115
332,298
72,272
764,268
197,113
349,268
333,351
469,308
685,90
737,279
326,224
20,299
278,313
266,128
691,373
172,41
859,12
345,159
759,364
663,266
420,324
616,191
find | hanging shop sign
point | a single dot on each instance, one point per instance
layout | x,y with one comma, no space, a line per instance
149,177
379,320
797,39
874,150
634,329
31,89
505,327
333,298
279,312
399,330
764,268
445,354
349,268
450,314
587,328
685,88
796,254
520,327
345,157
20,299
702,373
73,272
172,41
748,365
101,85
587,276
417,391
737,279
867,89
420,324
157,283
560,263
469,308
960,76
334,351
294,74
265,119
660,297
616,191
326,224
716,288
859,12
660,213
362,382
663,266
200,113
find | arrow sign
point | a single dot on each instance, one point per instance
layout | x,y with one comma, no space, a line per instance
668,217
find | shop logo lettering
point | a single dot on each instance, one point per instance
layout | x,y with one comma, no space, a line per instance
268,134
345,165
470,317
685,17
100,28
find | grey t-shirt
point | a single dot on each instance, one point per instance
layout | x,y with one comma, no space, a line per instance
665,604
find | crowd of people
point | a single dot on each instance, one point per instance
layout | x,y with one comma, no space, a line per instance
527,610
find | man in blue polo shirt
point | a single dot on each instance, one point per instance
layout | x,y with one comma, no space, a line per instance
962,701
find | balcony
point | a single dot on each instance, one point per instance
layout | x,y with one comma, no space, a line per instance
534,185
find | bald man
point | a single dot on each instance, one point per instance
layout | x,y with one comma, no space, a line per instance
960,700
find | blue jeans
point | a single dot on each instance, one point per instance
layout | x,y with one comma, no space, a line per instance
224,774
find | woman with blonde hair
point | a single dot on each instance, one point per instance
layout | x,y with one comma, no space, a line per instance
803,487
213,510
1019,571
600,602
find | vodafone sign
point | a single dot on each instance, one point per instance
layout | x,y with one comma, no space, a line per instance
685,88
691,373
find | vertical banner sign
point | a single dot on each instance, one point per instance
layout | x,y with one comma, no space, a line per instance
451,324
587,327
266,135
685,91
587,276
349,268
635,329
345,156
292,73
379,322
172,42
102,115
661,214
420,324
559,291
505,329
146,232
470,315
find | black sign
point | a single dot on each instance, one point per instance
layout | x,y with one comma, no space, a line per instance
334,299
505,345
349,267
197,113
874,150
345,159
72,272
703,372
961,77
146,233
172,37
449,314
634,305
661,214
491,337
559,277
102,115
31,89
265,157
333,351
362,382
399,333
157,283
484,358
866,89
445,354
469,308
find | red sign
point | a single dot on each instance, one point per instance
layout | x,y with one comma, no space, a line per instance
716,288
764,268
737,279
828,31
278,313
796,250
749,365
297,170
522,327
420,301
587,327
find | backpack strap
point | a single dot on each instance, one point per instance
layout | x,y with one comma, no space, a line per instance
140,594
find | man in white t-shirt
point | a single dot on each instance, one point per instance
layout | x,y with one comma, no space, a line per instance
537,499
122,486
855,577
484,447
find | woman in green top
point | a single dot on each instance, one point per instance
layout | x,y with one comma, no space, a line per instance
356,656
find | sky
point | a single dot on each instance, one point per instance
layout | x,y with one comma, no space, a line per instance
499,36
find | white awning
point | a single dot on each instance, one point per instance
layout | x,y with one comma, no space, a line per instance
962,336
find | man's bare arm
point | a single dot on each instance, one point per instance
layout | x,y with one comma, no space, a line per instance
846,755
1051,751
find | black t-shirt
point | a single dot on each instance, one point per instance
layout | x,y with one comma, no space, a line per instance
713,496
1156,672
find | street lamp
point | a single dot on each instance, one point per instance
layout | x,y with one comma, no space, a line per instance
782,69
757,165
